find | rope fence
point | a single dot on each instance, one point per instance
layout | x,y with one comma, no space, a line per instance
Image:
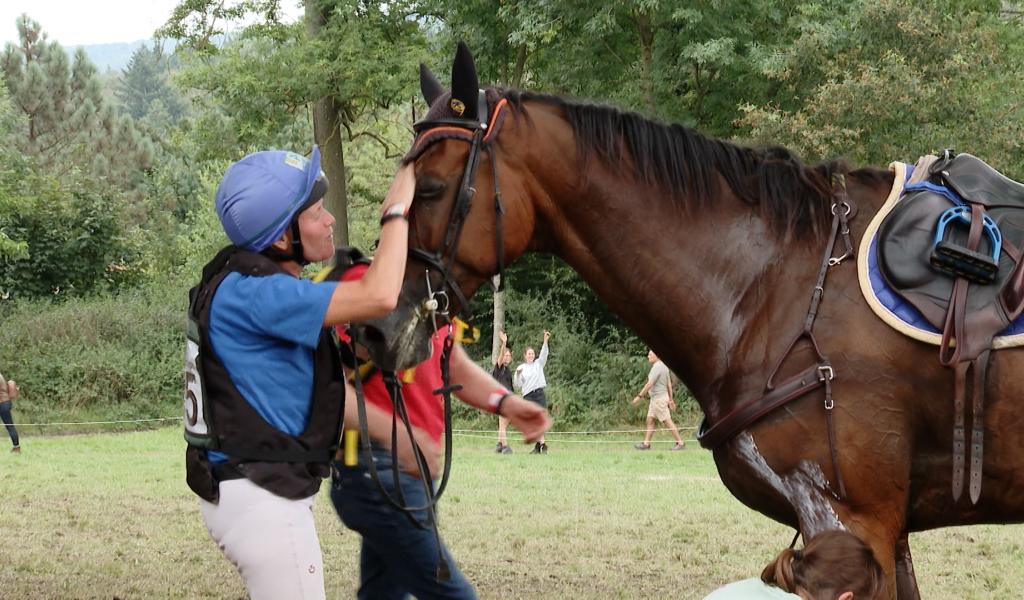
463,433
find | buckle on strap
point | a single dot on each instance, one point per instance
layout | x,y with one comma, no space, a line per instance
826,373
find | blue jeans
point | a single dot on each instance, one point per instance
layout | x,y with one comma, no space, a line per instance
397,557
5,416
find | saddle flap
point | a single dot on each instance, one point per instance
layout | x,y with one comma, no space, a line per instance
976,181
906,240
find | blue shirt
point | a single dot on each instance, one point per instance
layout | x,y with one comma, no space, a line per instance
264,331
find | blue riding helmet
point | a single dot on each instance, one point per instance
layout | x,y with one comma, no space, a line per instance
261,194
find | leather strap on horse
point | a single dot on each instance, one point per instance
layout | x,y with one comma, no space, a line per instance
810,379
953,343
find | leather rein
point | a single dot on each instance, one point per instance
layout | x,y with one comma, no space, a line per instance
442,261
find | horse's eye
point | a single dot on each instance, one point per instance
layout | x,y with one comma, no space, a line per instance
428,188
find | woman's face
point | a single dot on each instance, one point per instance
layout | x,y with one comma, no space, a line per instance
506,358
316,227
529,355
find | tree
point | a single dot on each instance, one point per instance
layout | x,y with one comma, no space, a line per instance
361,56
68,122
143,83
13,169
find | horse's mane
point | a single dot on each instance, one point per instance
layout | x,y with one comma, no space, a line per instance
792,195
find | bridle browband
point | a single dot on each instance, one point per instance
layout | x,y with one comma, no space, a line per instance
480,134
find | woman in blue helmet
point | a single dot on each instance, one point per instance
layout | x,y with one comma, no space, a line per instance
264,388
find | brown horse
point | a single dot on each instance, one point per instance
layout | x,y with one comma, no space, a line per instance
710,252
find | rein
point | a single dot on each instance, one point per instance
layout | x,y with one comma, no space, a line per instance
477,134
815,376
394,387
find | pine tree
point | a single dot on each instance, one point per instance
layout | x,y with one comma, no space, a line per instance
144,82
69,123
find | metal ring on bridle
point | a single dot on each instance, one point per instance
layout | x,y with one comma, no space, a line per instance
447,301
846,204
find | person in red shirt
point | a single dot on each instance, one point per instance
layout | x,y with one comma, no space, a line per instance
401,553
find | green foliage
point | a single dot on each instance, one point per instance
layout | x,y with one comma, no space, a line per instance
13,169
144,91
112,357
263,80
899,80
73,237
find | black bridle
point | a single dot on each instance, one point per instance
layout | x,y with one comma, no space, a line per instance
479,134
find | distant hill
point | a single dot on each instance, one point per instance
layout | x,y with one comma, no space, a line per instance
114,56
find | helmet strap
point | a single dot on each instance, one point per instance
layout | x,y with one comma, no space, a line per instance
297,252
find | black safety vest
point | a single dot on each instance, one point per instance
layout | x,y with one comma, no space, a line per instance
287,465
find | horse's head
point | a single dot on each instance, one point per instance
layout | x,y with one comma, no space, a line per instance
459,234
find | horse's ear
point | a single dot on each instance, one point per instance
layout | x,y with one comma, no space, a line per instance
429,85
465,84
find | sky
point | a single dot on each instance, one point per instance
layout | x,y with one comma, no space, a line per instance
74,22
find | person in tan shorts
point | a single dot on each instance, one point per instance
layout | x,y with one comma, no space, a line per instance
659,386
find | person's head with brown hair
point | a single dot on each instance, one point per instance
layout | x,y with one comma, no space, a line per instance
834,565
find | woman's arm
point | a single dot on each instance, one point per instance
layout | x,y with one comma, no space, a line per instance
376,294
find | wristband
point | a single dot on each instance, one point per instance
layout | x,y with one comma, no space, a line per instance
394,211
496,399
392,217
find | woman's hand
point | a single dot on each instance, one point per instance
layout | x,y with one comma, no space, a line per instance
399,196
529,418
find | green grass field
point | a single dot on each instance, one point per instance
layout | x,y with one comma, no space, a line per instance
109,516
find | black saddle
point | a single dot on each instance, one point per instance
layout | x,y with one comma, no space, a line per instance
976,298
906,238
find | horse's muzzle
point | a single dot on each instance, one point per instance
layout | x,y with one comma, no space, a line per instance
400,339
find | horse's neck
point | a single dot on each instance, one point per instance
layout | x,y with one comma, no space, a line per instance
689,282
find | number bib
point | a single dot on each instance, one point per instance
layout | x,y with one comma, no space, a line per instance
198,425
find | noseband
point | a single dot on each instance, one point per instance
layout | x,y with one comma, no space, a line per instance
479,133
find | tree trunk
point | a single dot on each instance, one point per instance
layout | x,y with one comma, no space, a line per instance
515,81
499,319
645,31
327,133
517,73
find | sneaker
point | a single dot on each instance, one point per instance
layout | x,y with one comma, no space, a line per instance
642,446
543,448
506,450
679,446
500,448
16,450
536,448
